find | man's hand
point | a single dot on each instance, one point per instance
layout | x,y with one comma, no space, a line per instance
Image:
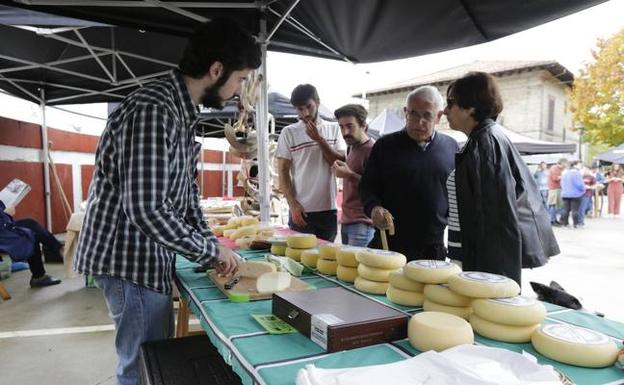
227,262
341,169
297,213
312,130
381,218
10,210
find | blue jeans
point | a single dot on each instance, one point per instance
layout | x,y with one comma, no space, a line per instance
357,234
140,315
586,205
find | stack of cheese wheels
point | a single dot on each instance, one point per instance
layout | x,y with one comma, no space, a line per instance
297,243
233,224
346,257
438,331
575,345
278,245
326,263
403,290
310,257
374,269
438,297
512,319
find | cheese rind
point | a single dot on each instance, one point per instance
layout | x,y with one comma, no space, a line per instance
326,266
328,250
373,273
310,257
346,256
575,345
441,294
438,331
301,241
404,297
293,253
498,332
398,279
430,271
277,249
254,269
346,273
476,284
381,259
515,311
371,287
460,311
273,282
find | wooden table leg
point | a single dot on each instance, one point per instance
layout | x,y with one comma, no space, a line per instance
183,319
4,292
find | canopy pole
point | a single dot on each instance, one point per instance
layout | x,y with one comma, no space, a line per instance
46,161
262,133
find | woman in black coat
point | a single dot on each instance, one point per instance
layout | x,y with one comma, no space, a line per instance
497,222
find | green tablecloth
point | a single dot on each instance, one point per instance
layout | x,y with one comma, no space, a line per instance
260,358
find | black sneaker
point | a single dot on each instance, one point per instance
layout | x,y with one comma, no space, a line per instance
46,280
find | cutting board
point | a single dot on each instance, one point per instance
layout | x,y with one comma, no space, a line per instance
248,286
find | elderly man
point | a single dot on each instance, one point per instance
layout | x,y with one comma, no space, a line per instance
405,178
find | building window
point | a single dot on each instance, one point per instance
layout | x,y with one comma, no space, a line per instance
551,114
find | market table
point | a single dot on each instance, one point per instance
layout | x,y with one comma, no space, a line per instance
260,358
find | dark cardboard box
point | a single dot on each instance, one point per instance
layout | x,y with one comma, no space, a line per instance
339,319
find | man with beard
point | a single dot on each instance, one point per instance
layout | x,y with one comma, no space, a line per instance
405,179
306,151
356,228
143,206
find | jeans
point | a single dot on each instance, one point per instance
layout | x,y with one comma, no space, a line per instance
140,314
571,204
585,208
357,234
544,194
323,224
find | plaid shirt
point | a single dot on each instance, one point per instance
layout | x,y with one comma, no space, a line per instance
143,199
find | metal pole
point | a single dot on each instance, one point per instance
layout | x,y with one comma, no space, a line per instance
262,132
46,161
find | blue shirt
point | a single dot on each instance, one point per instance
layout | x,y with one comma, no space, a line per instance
541,178
572,185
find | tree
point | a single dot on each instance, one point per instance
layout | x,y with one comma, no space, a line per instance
597,97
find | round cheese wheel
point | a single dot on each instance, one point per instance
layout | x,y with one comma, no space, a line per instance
499,332
347,274
476,284
346,255
441,294
218,230
277,249
228,232
245,242
404,297
575,345
326,266
328,250
248,220
373,273
398,279
517,311
371,287
310,257
294,253
460,311
430,271
438,331
301,241
382,259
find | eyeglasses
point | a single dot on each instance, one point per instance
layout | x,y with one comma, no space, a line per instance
450,102
415,115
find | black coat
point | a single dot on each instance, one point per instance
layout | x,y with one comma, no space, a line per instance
504,225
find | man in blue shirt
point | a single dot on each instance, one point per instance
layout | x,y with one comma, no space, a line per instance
572,191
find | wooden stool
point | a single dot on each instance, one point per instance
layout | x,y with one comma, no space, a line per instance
4,292
182,324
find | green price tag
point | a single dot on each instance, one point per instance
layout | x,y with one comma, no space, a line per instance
273,324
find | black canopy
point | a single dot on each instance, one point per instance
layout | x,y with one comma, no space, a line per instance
354,30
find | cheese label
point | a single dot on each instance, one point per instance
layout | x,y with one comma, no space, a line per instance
574,334
515,301
431,264
483,277
352,248
319,325
382,252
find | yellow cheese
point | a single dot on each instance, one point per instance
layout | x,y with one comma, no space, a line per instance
228,232
518,310
294,253
346,255
498,332
430,271
301,241
345,273
310,257
254,269
243,231
218,230
248,220
372,287
328,250
381,258
273,282
373,273
476,284
404,297
440,293
463,312
325,266
277,249
398,279
438,331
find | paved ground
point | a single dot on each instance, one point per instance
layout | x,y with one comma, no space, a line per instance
67,338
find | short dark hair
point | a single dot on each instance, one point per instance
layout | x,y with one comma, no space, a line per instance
575,162
302,93
355,110
219,40
477,90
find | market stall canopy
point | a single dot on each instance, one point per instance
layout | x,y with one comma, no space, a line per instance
614,155
352,30
387,122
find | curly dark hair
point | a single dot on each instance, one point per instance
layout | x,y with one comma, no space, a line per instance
476,90
355,110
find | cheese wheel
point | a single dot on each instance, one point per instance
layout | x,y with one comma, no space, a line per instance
575,345
438,331
499,332
301,241
273,282
404,297
228,232
430,271
328,250
347,274
373,273
277,249
517,311
398,279
218,230
371,287
309,257
326,266
254,269
460,311
294,253
245,242
382,259
476,284
346,255
248,220
244,231
440,293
